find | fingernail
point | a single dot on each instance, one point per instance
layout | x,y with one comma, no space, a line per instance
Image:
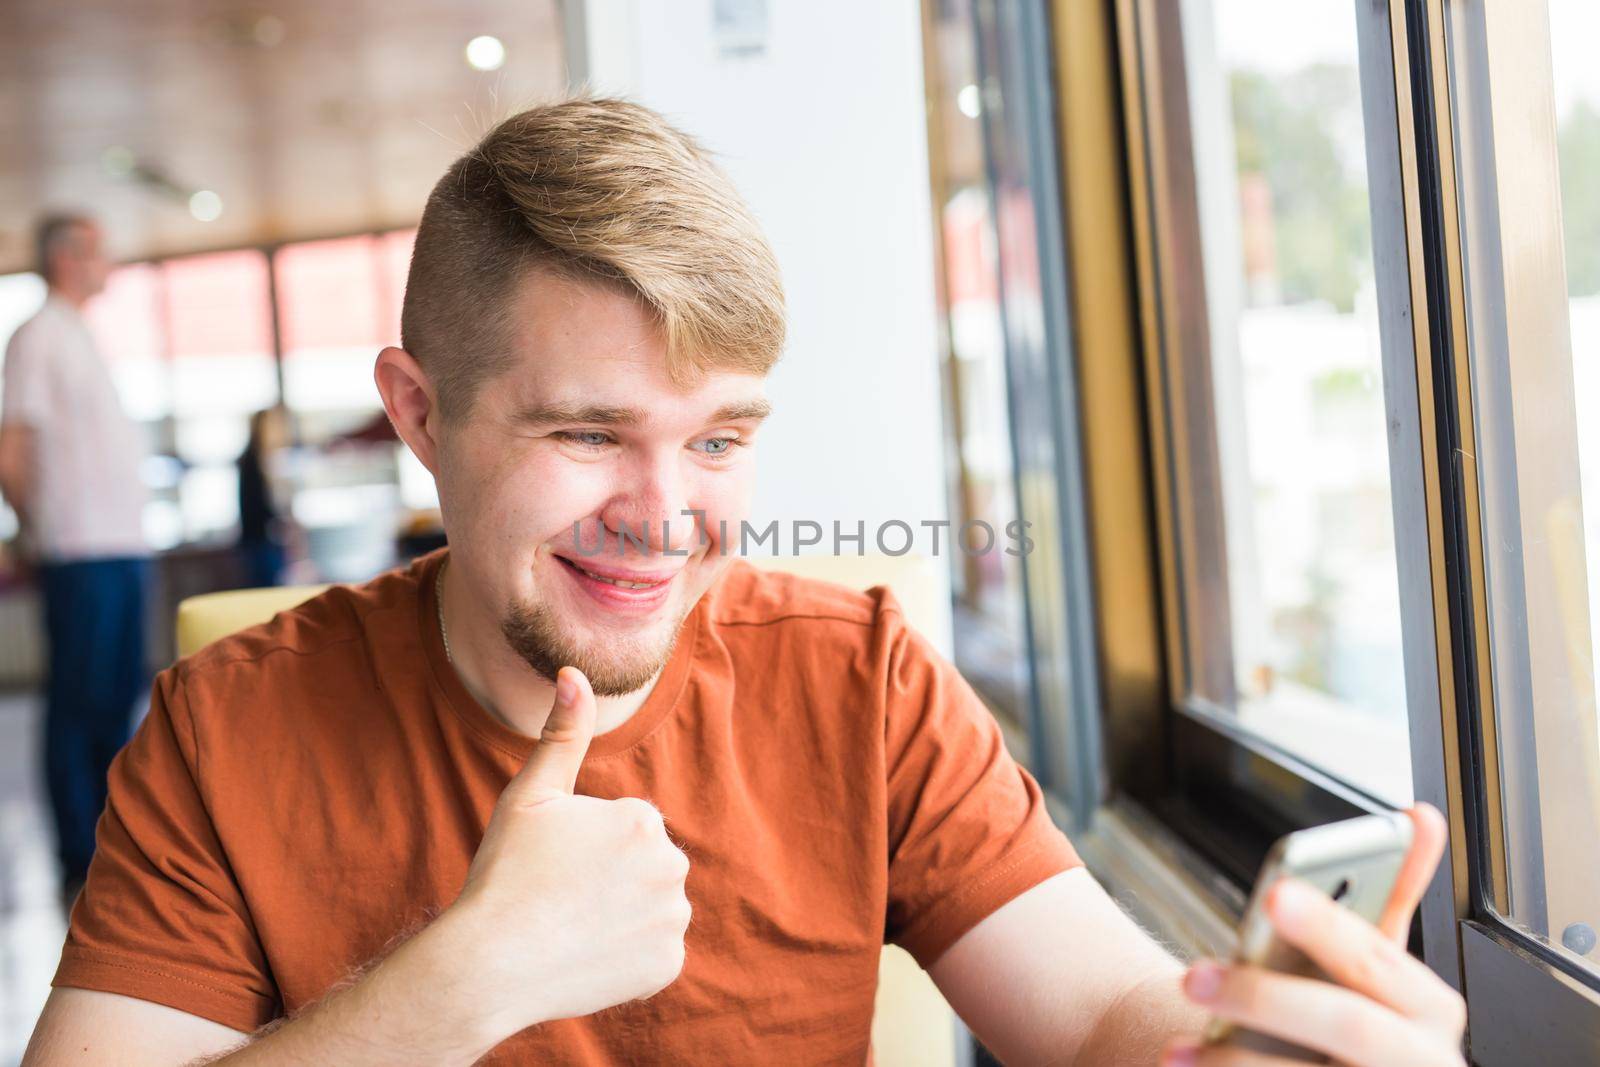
566,688
1203,981
1180,1056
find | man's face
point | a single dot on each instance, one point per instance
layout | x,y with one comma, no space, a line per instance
583,438
80,262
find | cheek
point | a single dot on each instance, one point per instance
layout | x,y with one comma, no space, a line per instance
725,498
529,496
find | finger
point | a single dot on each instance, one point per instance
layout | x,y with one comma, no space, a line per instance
1357,955
552,770
1318,1015
1428,832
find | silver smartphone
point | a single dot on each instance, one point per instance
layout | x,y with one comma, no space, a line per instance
1356,863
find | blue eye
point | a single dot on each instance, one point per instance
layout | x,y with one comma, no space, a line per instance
586,438
720,446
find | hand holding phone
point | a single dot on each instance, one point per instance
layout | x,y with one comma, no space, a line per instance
1314,979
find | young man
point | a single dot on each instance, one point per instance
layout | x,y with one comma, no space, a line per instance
69,467
742,783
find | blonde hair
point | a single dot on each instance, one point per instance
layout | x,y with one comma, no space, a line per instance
593,189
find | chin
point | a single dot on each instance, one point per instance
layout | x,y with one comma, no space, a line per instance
618,656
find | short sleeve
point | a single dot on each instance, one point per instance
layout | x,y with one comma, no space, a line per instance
968,827
161,917
25,388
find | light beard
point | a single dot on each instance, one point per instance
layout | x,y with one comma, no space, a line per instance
535,634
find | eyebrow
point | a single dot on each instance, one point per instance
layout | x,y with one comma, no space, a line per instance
551,414
600,415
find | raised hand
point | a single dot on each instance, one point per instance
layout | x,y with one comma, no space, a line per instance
572,903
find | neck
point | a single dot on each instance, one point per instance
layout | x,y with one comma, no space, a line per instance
499,679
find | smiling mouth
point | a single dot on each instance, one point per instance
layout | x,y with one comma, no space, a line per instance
620,583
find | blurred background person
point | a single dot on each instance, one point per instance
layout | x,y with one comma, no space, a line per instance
264,528
70,468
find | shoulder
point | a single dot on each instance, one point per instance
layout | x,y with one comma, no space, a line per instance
782,607
30,340
748,595
306,649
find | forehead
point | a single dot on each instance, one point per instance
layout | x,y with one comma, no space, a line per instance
588,344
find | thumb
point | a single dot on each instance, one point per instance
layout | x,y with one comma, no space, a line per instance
552,770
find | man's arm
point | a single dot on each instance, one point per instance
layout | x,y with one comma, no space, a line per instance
17,444
572,904
83,1026
416,1006
1060,975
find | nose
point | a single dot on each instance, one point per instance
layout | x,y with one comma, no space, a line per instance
650,506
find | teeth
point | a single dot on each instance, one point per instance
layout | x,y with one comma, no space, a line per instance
619,582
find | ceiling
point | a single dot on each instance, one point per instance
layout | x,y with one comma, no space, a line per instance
307,117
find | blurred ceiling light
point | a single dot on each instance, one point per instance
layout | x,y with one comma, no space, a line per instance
268,31
205,206
485,53
968,101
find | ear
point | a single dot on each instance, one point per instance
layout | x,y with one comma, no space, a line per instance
408,397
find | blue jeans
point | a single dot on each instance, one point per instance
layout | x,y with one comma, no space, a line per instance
94,619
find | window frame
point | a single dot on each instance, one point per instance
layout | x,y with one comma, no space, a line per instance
1227,792
1199,799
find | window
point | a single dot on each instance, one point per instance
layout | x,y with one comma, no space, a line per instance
1025,644
336,312
218,316
1366,387
1285,550
1531,253
990,640
126,319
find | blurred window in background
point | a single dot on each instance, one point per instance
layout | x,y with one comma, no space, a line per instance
1292,614
338,304
335,316
990,640
126,319
218,314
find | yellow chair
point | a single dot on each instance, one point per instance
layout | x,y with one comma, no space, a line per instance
912,1024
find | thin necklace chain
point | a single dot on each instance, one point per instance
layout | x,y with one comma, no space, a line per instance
438,600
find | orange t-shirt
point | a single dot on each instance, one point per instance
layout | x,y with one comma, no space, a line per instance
307,789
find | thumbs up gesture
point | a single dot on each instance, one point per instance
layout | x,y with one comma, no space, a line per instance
578,902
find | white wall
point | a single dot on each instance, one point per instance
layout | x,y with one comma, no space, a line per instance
824,133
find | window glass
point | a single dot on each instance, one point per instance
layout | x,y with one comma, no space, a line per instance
1577,93
126,321
217,313
1574,921
336,312
1311,657
990,644
1532,271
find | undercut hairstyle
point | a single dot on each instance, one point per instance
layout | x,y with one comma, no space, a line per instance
50,233
596,190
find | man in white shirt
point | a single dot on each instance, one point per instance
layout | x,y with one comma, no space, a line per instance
69,468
